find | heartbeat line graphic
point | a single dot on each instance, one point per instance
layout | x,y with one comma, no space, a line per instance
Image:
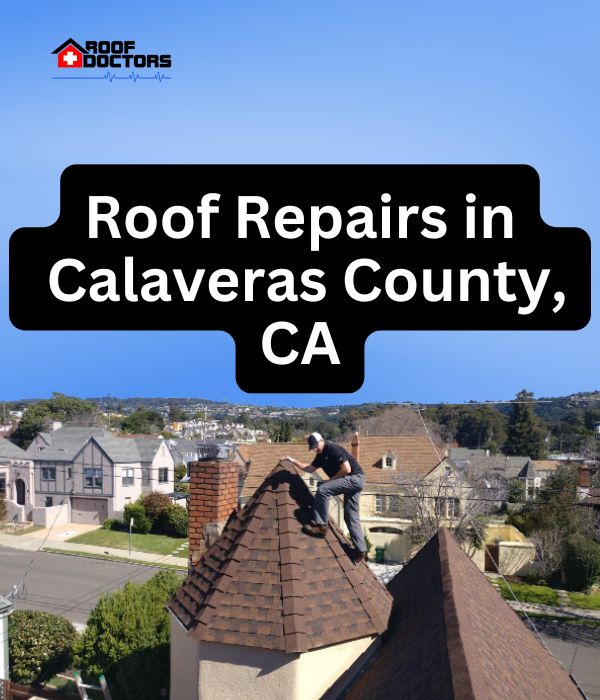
133,76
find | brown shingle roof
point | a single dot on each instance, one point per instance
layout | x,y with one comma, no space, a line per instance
451,637
266,584
415,457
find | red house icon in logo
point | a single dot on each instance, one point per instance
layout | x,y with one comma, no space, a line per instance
70,54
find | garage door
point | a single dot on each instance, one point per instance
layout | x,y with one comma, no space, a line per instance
89,511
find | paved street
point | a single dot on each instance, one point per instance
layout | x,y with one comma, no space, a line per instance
64,585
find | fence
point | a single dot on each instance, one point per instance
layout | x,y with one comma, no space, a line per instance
9,690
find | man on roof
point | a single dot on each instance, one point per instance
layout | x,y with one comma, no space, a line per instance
346,478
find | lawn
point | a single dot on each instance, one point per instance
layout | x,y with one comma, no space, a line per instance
155,544
530,594
590,602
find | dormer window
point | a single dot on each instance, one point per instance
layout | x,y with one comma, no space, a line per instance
388,461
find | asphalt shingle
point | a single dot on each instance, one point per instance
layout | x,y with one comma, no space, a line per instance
266,584
452,637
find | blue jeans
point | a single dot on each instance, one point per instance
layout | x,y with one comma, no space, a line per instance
350,487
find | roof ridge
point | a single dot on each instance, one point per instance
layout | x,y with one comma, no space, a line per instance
462,682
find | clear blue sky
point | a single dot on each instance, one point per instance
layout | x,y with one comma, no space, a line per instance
323,82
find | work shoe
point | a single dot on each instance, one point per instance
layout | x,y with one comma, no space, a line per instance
314,530
356,555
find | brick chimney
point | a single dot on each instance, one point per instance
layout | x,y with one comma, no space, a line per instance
213,496
583,481
355,444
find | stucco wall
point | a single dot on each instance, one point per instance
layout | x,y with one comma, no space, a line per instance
185,659
124,494
319,669
209,671
163,458
52,516
515,557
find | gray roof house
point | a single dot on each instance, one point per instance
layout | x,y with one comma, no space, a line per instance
95,473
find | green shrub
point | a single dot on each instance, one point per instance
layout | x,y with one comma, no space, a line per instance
127,639
180,471
2,509
112,524
141,522
174,521
155,504
40,645
581,562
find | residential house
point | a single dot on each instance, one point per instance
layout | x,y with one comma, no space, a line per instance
96,474
268,612
16,480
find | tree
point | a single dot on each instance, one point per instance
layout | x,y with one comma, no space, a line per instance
144,420
155,504
176,414
281,432
141,522
447,499
581,562
516,491
180,471
549,547
40,645
127,639
174,521
69,410
524,437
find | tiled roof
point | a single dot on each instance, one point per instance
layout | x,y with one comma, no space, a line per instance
546,465
452,637
415,457
266,584
8,450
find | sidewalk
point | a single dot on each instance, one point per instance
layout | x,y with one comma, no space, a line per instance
570,612
55,539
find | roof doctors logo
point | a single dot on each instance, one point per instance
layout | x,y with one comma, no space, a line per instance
110,56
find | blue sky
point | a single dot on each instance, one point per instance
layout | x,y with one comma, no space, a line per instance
333,82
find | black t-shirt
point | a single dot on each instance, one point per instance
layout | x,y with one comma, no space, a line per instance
332,457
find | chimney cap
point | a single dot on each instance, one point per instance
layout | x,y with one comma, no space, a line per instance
213,451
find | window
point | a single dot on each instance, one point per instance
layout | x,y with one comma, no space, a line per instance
49,473
128,476
2,485
394,504
92,478
69,472
389,461
146,476
48,502
163,475
453,507
387,504
447,507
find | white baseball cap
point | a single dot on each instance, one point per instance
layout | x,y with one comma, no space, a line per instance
313,440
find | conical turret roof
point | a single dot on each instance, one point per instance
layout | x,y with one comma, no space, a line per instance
264,583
